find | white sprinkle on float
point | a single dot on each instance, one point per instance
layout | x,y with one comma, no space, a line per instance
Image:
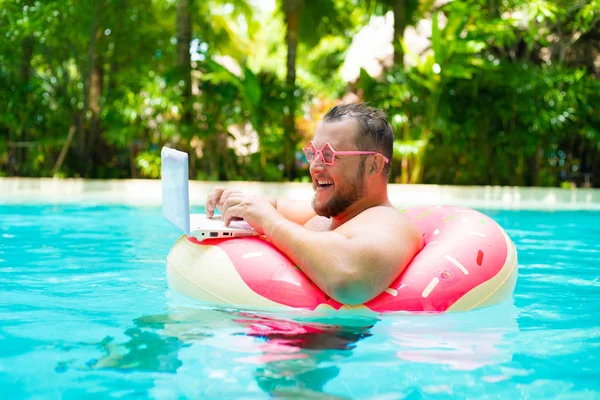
394,292
252,255
457,263
476,233
434,282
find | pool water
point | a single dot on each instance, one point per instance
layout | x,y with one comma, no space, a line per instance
85,312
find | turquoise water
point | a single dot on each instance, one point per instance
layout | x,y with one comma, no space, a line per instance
85,311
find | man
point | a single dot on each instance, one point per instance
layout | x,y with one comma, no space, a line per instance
352,243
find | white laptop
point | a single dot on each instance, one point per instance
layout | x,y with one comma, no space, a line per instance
176,203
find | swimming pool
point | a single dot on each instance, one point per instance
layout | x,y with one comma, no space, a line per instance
84,311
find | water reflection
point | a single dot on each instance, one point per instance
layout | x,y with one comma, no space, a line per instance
215,352
297,356
462,341
144,351
285,356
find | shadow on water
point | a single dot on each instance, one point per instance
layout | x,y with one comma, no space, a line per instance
294,356
284,353
144,351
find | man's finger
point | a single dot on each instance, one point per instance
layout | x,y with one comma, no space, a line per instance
232,213
232,200
212,200
225,195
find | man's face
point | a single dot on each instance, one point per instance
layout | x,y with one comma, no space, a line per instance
337,186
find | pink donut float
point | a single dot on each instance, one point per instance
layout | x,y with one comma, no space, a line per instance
467,262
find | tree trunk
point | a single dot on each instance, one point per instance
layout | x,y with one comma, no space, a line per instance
94,150
81,138
25,77
292,10
66,145
222,150
404,175
400,23
494,8
25,67
133,171
260,131
416,175
404,170
533,173
96,87
184,67
184,38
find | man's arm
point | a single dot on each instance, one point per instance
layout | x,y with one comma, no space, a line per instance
296,211
355,262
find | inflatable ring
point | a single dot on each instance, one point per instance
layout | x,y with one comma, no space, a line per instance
467,262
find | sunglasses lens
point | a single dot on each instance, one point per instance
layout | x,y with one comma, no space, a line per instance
309,152
328,154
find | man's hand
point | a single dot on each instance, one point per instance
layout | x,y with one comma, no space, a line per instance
296,211
257,211
217,198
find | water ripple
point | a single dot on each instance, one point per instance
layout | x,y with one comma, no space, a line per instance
84,309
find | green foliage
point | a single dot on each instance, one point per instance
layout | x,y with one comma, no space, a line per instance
149,164
465,116
320,70
506,92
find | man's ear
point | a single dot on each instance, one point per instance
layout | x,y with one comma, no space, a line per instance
376,165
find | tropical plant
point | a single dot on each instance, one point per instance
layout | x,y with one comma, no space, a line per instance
506,93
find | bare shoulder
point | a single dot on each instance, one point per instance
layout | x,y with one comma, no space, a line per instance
380,221
385,238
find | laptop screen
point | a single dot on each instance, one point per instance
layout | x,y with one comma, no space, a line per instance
175,196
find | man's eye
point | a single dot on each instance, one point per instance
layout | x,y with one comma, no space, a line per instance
328,154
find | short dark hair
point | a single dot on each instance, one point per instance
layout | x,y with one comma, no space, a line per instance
375,133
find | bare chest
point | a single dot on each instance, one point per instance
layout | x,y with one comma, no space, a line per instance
318,224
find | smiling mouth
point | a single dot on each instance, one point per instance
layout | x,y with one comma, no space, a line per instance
324,184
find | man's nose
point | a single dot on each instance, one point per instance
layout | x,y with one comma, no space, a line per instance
317,164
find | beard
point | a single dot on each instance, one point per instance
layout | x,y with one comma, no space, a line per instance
340,202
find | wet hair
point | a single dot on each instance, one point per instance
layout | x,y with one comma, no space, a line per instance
375,133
